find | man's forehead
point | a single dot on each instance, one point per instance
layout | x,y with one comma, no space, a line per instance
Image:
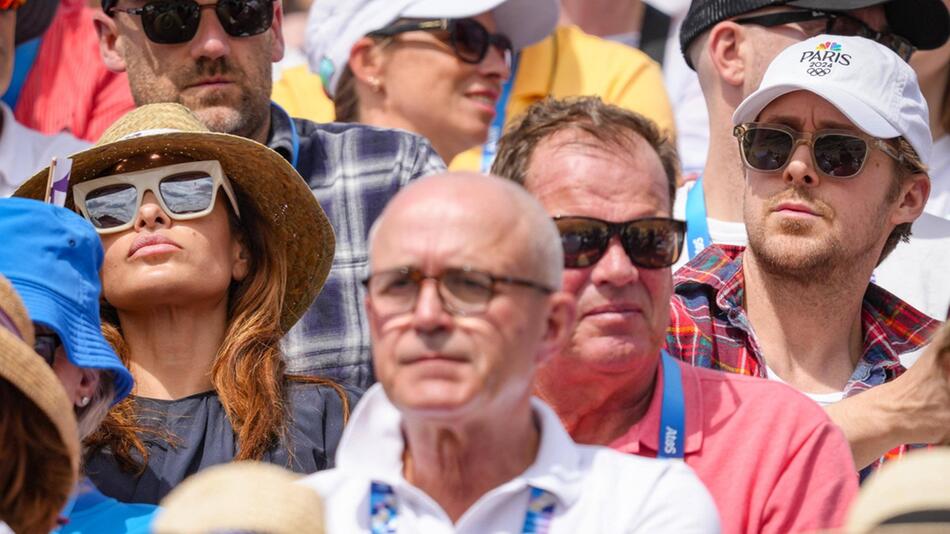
577,168
801,108
455,230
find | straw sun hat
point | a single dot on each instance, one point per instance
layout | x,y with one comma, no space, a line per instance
292,218
30,374
908,496
241,497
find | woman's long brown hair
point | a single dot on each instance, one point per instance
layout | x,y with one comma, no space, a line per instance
36,474
248,373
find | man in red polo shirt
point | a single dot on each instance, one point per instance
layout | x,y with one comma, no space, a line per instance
771,458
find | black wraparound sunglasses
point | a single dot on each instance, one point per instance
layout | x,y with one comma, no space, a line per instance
176,21
650,243
836,24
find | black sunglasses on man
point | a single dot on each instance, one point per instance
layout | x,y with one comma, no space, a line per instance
835,24
176,21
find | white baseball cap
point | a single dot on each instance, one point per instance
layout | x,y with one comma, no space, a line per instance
334,26
866,81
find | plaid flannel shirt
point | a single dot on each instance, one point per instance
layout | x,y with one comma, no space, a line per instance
710,328
353,170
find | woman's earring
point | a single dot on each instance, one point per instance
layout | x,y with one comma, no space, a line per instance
375,84
83,402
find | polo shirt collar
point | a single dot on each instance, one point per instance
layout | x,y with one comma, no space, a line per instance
644,436
535,68
372,446
281,132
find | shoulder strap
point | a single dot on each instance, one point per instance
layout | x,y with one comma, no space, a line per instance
655,30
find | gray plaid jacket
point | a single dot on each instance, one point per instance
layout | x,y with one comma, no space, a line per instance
353,170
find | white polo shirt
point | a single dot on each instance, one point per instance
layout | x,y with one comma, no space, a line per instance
24,151
596,489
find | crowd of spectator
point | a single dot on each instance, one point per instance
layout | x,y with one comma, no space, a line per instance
432,266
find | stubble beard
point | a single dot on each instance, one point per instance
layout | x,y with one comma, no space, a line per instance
789,253
243,116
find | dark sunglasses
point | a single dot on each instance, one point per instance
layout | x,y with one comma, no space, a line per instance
176,21
650,243
45,345
836,24
468,38
839,153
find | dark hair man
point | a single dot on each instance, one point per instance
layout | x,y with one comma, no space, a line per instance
215,58
771,459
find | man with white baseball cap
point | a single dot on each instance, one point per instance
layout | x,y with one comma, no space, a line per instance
336,25
433,67
730,44
835,143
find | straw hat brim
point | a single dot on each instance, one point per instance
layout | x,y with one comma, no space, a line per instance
241,496
23,368
292,216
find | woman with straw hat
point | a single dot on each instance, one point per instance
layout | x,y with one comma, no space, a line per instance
39,443
214,247
52,256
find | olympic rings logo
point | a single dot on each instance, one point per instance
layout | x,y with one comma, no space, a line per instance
819,71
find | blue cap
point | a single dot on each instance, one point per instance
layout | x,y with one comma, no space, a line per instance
52,257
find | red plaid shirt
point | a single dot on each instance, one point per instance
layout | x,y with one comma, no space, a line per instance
710,328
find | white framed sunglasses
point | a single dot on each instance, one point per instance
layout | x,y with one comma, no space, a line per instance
184,191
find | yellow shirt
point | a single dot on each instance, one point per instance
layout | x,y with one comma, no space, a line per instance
566,63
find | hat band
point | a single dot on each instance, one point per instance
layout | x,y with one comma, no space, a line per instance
939,515
7,322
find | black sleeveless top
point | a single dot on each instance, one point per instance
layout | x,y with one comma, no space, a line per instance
203,437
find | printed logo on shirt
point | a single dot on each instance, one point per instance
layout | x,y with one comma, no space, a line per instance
821,60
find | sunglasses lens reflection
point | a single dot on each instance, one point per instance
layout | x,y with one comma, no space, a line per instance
649,243
584,241
766,149
187,193
112,205
176,21
840,155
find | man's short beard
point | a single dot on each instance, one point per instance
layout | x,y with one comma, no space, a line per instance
805,263
245,118
826,258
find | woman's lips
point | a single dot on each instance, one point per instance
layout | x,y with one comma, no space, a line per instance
151,244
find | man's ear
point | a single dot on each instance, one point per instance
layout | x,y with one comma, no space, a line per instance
108,41
562,315
277,31
724,48
915,190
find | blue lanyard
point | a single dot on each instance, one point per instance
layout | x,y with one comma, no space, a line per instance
294,137
383,512
490,148
24,57
673,411
697,229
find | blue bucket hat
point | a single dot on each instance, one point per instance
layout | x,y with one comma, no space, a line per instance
52,257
